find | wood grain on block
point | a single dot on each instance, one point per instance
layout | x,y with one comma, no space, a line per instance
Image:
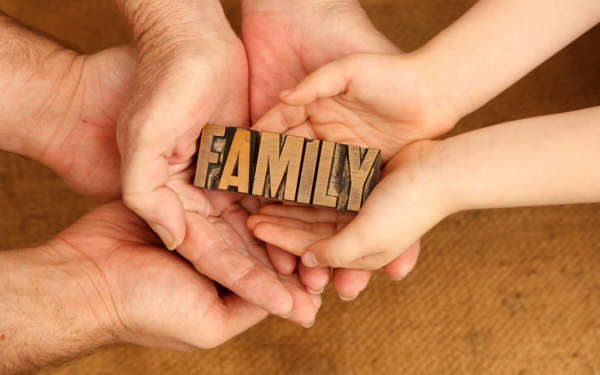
364,165
321,186
237,170
278,166
210,156
309,169
373,177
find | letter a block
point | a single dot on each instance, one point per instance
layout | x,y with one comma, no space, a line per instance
286,167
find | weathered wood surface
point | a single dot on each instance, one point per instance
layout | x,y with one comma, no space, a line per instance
284,167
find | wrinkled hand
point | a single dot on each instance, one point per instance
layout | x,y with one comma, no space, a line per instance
407,202
82,147
152,297
77,136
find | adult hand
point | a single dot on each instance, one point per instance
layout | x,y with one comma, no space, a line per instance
191,70
108,280
71,104
285,41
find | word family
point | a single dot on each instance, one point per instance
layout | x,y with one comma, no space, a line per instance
286,167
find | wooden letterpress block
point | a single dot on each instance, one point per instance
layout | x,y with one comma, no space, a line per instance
309,169
278,166
330,175
364,169
210,156
239,151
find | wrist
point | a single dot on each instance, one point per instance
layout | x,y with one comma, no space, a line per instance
160,24
451,100
420,169
37,85
52,308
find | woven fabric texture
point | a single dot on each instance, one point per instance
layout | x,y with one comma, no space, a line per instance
511,291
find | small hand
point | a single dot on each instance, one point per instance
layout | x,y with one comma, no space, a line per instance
371,100
406,203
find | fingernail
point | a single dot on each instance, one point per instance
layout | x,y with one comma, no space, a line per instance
310,260
283,277
285,92
349,299
402,278
316,291
288,315
309,325
165,236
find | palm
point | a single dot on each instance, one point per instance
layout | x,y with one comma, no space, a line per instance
84,151
289,39
156,294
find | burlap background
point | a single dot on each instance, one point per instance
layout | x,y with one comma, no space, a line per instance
495,292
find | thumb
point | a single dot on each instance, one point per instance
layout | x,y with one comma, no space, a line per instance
144,178
327,81
347,249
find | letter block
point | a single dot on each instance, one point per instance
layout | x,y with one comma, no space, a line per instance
286,167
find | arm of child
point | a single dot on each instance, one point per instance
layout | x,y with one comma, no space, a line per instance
538,161
389,101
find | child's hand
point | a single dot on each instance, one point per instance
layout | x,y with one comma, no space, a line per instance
372,100
406,203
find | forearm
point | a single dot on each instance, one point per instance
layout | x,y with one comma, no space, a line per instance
497,42
37,82
49,312
538,161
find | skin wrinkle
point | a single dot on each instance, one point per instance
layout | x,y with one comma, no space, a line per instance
99,272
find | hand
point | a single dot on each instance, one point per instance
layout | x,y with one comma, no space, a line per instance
76,99
285,41
82,147
191,70
407,202
371,100
108,280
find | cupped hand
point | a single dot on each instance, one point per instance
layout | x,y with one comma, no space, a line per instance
81,147
285,41
407,202
152,297
380,101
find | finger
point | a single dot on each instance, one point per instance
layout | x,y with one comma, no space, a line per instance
144,176
398,268
304,213
210,253
281,118
315,279
289,239
318,227
348,283
305,303
327,81
285,263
